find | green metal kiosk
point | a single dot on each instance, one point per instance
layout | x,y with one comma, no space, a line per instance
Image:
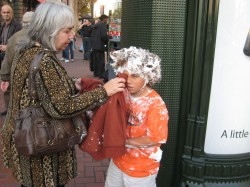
205,85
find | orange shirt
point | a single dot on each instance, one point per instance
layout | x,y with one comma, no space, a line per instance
147,116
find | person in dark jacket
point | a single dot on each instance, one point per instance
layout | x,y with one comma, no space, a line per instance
99,39
85,31
8,28
10,54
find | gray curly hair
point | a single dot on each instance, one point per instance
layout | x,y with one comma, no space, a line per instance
137,61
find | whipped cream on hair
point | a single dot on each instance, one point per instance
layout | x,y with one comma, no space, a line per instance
137,61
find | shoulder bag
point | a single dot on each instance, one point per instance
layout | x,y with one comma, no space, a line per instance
37,133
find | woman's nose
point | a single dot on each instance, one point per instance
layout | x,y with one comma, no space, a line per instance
72,34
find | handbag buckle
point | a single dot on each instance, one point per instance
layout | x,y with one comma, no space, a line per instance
33,102
78,129
50,142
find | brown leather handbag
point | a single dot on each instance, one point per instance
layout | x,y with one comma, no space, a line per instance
37,133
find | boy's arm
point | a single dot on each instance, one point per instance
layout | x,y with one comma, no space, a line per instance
157,127
140,142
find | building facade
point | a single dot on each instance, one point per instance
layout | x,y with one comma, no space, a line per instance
21,6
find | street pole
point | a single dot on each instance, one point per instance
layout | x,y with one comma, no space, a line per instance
92,8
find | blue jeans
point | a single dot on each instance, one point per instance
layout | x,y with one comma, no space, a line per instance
86,47
67,50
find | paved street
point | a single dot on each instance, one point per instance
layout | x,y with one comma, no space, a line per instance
90,172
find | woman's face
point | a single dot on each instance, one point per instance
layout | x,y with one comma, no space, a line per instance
63,38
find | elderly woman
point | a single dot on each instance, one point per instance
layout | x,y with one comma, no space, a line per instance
50,31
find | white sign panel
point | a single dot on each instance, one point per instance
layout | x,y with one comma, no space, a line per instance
228,125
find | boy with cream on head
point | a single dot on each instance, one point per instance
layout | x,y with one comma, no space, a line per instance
147,126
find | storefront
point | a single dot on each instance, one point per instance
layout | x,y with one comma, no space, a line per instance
21,6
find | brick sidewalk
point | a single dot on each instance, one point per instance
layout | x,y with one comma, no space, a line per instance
90,173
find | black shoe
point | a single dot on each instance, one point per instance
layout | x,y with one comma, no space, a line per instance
3,113
80,51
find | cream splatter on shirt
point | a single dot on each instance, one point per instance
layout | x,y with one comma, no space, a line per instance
147,116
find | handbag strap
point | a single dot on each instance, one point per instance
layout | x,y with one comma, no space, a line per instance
34,67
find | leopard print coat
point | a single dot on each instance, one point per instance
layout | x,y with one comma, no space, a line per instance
57,95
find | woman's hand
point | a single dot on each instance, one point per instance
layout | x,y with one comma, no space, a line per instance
4,86
114,85
3,47
78,84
